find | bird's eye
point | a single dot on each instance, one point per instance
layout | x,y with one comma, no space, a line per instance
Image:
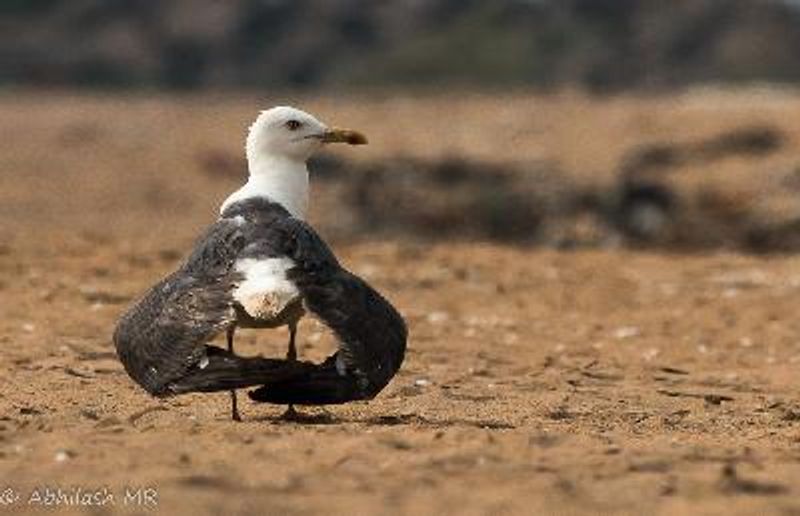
293,125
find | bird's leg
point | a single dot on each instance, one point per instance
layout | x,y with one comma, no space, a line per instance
234,403
291,356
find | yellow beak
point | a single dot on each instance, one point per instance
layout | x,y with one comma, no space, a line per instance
349,136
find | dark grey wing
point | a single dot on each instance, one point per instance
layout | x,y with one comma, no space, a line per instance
163,335
161,340
372,335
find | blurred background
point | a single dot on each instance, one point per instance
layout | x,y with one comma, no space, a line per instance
574,123
602,45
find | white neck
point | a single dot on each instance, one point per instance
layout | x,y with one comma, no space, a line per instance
282,180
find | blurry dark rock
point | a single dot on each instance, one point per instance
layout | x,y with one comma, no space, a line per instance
451,198
658,157
744,141
781,237
731,482
646,211
653,206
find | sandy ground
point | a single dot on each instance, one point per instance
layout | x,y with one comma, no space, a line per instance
536,381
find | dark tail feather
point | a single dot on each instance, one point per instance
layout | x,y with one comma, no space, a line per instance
372,343
322,385
226,371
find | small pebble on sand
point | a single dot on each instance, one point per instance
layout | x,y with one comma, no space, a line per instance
63,455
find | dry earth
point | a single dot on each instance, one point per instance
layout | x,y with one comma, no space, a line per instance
537,381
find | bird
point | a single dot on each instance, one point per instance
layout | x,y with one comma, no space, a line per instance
261,265
278,147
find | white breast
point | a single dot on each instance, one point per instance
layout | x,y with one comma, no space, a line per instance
265,290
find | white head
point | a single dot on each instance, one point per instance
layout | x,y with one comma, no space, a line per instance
287,133
279,143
